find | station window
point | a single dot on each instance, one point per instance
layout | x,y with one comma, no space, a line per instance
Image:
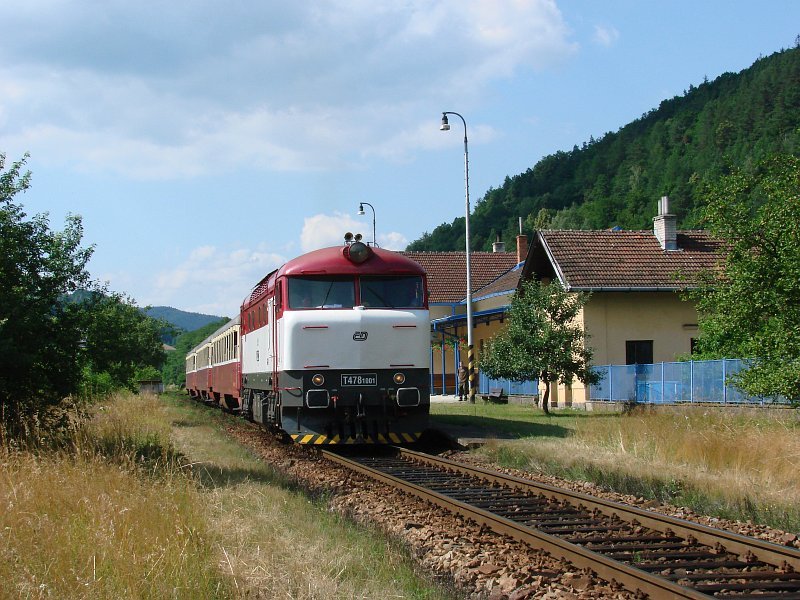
639,352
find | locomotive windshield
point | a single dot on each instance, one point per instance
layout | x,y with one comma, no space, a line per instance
392,292
321,292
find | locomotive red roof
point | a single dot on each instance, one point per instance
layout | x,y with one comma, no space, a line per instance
331,261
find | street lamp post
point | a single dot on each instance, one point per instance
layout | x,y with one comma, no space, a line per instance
361,212
470,357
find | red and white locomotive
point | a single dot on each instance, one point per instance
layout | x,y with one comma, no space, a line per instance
331,348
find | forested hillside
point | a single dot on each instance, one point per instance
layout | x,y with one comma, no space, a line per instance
186,321
734,121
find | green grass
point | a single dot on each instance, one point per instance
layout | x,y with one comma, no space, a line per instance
731,463
516,420
277,539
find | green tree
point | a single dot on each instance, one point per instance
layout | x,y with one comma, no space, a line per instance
120,339
543,339
751,307
39,334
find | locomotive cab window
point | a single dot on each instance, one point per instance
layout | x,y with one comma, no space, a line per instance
392,292
321,292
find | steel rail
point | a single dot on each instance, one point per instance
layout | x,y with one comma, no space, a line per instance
605,568
766,552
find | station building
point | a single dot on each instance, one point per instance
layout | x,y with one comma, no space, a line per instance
494,276
637,312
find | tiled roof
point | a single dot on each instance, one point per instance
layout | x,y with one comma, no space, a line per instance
447,271
507,282
625,260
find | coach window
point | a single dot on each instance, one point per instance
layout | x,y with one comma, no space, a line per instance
392,292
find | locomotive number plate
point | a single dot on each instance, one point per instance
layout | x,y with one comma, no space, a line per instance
359,379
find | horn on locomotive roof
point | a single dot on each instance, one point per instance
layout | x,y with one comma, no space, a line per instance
348,237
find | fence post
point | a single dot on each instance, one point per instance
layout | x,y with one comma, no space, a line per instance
691,382
662,382
610,383
444,364
431,375
724,383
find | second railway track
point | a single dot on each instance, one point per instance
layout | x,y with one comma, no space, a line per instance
659,555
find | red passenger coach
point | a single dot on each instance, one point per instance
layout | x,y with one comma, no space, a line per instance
213,368
333,349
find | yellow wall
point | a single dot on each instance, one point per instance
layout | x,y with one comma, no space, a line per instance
612,318
480,335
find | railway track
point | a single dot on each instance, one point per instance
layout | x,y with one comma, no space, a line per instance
661,556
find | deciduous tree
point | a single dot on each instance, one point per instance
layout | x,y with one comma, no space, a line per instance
120,339
750,308
39,335
543,339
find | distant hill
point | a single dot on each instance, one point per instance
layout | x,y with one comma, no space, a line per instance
734,121
186,321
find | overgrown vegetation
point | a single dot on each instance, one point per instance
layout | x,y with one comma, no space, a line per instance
737,119
725,462
114,509
751,307
54,344
105,512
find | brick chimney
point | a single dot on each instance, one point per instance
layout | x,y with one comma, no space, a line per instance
522,247
664,226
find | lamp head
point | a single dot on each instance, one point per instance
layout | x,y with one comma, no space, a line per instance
445,126
361,209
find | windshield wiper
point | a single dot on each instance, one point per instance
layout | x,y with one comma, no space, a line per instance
328,293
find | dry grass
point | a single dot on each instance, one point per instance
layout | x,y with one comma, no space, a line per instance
114,514
98,523
734,463
750,451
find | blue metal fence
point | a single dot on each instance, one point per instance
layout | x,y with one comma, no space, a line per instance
511,388
672,382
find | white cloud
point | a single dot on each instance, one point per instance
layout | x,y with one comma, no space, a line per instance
605,35
393,241
155,90
321,231
219,279
215,280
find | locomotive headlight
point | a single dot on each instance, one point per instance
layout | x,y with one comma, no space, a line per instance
318,380
357,252
399,378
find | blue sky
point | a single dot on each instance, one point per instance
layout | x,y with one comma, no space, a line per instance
204,143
